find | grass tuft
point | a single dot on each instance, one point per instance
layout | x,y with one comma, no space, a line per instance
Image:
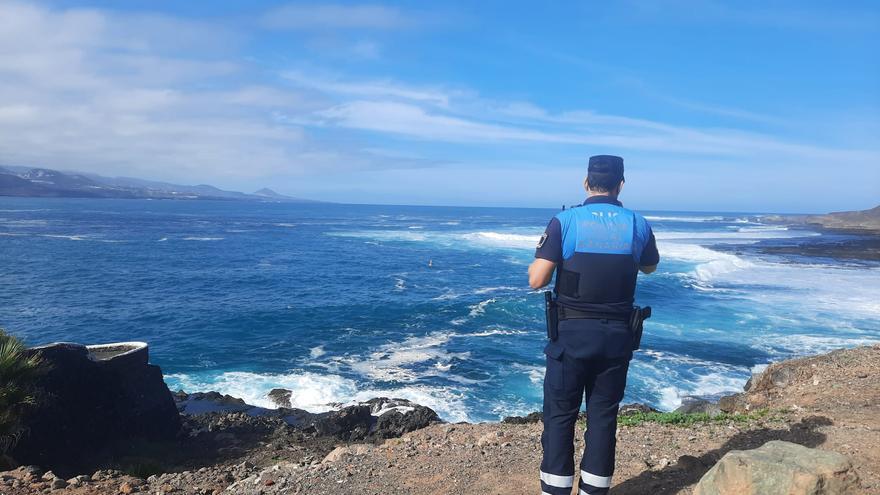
684,420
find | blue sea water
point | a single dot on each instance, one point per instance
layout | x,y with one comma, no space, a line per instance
343,302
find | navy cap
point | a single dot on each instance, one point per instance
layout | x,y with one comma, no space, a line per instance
606,164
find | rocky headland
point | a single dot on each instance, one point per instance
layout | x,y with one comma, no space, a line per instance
811,420
863,221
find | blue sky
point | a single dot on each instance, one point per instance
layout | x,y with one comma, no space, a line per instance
746,106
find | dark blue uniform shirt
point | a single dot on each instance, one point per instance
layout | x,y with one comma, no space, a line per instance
598,247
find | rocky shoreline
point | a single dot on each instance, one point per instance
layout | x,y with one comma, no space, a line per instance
864,221
829,403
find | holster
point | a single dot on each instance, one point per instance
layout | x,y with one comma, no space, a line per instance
636,320
551,312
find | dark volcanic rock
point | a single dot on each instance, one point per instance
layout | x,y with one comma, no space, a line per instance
90,404
280,396
349,423
521,420
374,419
397,417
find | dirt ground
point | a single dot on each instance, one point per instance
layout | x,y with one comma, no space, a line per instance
829,402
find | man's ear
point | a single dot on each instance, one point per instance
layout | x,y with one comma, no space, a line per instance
620,187
587,184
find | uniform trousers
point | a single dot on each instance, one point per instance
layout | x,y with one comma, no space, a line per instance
589,360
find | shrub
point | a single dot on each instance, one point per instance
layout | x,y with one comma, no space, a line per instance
689,419
18,374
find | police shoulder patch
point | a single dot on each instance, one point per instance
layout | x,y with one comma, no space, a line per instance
542,240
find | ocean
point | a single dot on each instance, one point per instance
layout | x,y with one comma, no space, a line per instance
347,302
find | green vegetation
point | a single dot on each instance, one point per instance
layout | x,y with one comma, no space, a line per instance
682,419
18,373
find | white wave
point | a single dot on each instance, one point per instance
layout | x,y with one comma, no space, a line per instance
394,361
311,391
486,290
448,403
24,223
317,392
534,373
673,376
711,384
287,225
819,292
484,239
741,235
316,352
203,238
384,235
68,237
710,263
399,284
447,296
503,239
694,219
480,308
804,345
489,333
162,239
416,227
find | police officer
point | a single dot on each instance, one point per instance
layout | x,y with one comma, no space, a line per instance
597,250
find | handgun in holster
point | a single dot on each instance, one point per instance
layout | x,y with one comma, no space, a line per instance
552,314
636,320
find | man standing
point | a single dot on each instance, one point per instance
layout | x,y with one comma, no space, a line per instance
597,250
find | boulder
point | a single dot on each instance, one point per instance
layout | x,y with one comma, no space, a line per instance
694,405
734,403
776,375
375,419
280,397
780,468
394,423
209,402
93,399
348,423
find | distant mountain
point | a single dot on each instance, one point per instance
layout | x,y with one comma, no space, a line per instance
268,193
43,182
864,220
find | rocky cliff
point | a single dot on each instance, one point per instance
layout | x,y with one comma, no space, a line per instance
94,401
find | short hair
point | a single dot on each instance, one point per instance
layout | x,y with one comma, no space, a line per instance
603,182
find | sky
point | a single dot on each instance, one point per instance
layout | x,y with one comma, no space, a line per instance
715,106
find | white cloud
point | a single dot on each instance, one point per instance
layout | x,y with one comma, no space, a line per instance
369,88
75,93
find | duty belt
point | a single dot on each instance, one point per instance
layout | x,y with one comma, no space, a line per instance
574,314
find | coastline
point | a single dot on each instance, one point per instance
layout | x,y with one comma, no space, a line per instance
829,401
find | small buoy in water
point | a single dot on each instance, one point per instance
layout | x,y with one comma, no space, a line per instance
430,263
